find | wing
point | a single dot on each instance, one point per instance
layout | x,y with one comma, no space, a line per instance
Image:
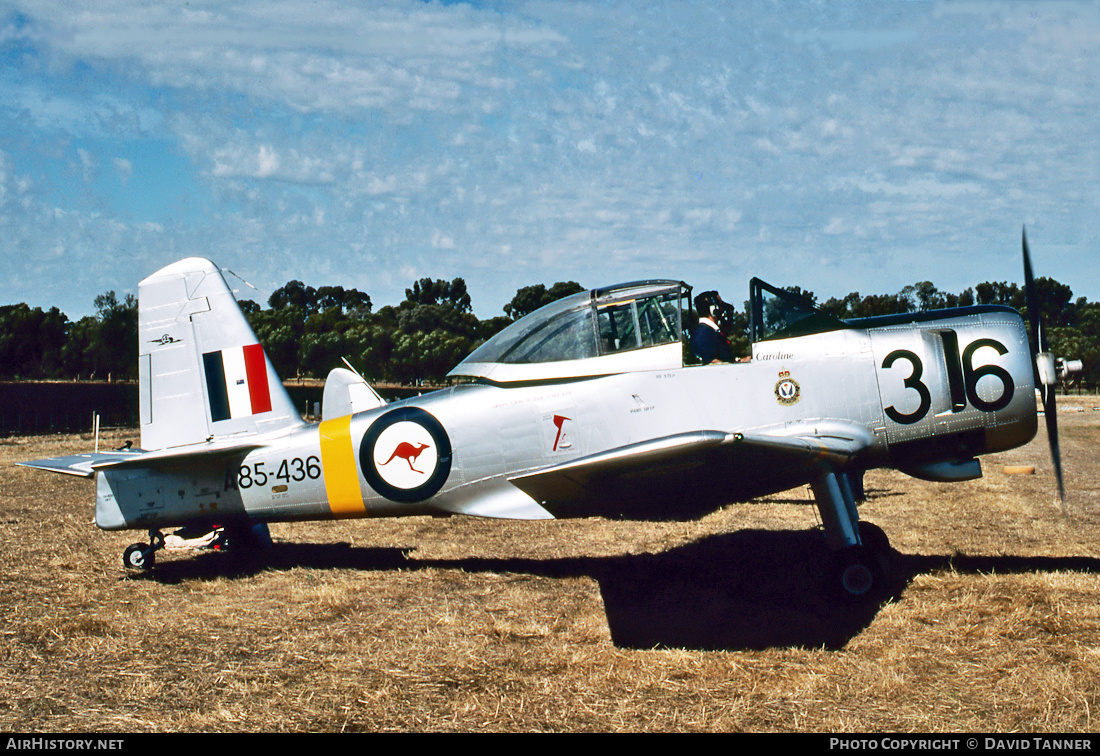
689,474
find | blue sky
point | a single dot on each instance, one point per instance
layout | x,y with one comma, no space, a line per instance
835,146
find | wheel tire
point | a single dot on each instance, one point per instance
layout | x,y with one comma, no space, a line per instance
139,556
873,537
859,573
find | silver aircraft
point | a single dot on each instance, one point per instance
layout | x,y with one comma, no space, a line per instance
586,407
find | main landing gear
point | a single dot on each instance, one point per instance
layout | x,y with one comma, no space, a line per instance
859,567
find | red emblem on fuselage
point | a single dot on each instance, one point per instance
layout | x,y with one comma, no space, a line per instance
409,453
559,421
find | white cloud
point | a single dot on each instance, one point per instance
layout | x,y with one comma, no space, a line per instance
88,164
319,56
264,161
124,167
917,188
441,240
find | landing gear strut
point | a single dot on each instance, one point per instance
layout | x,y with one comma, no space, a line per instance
859,568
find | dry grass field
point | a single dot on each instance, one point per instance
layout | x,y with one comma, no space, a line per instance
462,624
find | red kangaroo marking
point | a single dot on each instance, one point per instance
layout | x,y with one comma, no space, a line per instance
559,420
409,453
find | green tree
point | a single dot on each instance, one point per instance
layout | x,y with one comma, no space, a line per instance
530,298
294,294
32,341
435,291
115,352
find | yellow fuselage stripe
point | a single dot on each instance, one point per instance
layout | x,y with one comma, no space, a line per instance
338,464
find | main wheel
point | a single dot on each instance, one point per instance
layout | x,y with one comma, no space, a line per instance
874,537
139,556
859,572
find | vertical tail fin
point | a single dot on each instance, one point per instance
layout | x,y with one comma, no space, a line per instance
202,372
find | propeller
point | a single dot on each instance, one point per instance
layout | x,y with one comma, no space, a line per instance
1047,369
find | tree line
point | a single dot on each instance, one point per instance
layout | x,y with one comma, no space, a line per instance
44,344
306,330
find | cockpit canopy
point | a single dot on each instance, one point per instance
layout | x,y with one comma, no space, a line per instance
778,314
634,326
624,328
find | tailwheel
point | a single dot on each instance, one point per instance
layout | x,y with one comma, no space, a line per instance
143,556
139,556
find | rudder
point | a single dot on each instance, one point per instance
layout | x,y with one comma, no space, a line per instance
202,373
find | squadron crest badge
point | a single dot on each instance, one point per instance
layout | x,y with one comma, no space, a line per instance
787,391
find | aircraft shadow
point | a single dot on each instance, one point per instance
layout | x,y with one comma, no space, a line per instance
747,590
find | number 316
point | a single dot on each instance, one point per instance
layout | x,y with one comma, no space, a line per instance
963,379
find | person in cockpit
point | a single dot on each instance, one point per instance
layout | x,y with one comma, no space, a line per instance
709,342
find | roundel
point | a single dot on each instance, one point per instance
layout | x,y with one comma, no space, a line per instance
406,455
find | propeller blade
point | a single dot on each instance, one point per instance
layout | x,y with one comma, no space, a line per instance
1051,413
1032,295
1044,363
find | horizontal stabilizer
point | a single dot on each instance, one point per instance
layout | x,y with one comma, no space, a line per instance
82,465
87,465
183,455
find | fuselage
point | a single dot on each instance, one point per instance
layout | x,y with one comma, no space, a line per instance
930,389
